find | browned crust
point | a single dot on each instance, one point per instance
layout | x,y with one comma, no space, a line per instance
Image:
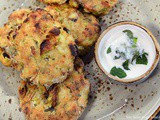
7,33
53,1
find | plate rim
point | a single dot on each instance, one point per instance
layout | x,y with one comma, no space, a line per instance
154,114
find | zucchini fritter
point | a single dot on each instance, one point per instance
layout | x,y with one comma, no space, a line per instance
44,52
65,101
7,33
84,28
96,7
53,1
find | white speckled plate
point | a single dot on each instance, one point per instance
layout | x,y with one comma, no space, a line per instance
107,101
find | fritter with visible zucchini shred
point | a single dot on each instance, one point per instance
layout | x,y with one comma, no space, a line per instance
44,52
53,1
7,33
84,28
96,7
65,101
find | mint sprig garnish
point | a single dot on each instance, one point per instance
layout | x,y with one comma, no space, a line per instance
131,37
129,33
125,65
136,55
142,59
130,53
109,50
117,57
134,42
118,72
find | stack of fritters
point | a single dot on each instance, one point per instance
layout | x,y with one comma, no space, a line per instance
65,101
42,45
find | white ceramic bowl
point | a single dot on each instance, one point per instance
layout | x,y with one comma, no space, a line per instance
133,80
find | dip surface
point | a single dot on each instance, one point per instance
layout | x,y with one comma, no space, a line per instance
117,51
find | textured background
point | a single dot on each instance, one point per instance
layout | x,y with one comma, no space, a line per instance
107,101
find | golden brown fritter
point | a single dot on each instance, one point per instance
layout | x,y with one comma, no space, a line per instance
53,1
73,3
65,101
7,34
44,52
96,7
84,28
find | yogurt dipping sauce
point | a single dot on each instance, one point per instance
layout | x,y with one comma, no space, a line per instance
116,39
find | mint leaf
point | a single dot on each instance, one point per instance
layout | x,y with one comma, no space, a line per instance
136,55
134,39
129,33
125,65
142,59
113,71
118,72
109,50
145,54
134,42
117,57
120,54
134,46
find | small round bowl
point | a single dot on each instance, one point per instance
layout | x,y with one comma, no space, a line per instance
134,80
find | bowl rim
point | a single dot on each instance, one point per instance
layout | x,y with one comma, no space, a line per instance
143,76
